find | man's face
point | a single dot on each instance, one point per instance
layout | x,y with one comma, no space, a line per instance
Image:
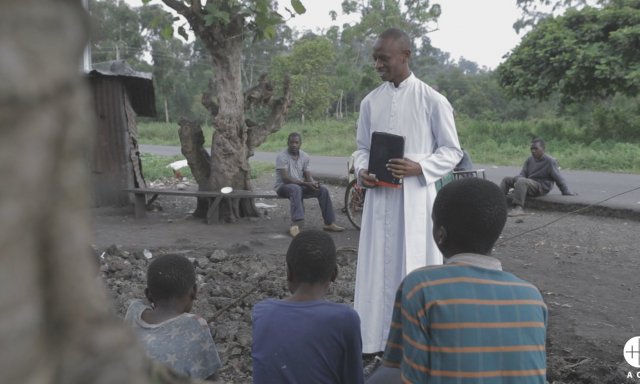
536,151
294,144
390,61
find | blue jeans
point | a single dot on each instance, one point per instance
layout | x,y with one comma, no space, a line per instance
295,193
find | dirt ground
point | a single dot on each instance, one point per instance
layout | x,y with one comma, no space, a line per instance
586,267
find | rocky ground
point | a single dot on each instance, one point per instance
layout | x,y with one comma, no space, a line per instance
586,267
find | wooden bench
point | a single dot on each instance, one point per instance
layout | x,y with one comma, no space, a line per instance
215,198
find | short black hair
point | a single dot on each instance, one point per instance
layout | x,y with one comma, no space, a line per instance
398,35
294,134
473,211
539,141
311,257
170,276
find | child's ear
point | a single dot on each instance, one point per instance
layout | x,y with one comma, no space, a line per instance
440,235
194,292
289,273
147,294
335,274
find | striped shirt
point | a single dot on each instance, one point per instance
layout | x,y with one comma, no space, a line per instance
461,323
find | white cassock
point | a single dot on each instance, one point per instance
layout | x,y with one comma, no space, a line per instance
396,235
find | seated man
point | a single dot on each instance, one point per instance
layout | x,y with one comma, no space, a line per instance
303,338
466,321
167,331
536,178
294,181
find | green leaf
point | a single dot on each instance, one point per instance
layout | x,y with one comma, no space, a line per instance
215,15
145,2
298,7
167,32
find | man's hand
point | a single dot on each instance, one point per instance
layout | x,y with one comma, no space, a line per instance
367,180
404,167
311,184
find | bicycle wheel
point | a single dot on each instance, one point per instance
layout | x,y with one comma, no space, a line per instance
354,203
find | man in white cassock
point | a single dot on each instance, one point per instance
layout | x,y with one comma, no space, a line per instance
396,223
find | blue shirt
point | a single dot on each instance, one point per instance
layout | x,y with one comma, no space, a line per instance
306,342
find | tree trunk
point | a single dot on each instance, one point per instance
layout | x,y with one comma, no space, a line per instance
56,325
192,143
233,142
166,110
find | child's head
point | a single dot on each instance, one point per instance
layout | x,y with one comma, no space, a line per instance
171,278
468,216
311,258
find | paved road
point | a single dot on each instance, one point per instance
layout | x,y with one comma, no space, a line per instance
592,187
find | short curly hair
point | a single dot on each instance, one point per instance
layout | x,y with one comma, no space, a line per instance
473,212
170,276
312,257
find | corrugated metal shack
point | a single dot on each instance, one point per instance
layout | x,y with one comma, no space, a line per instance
119,94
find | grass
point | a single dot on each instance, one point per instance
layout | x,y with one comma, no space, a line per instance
155,167
488,142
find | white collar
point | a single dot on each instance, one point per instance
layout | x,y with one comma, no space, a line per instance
476,260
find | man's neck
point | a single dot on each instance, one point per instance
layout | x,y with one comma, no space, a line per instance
405,76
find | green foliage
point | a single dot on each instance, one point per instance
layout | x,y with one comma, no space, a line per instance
308,67
583,54
320,137
507,143
488,142
155,167
414,17
215,15
116,33
157,133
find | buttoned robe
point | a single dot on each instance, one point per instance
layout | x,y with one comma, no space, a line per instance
396,235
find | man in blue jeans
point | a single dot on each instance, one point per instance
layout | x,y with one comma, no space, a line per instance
294,181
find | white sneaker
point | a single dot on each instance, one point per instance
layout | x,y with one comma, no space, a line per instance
516,211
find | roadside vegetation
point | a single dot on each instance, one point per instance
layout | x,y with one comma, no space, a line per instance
488,142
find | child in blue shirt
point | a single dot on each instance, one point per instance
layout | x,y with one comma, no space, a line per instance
304,338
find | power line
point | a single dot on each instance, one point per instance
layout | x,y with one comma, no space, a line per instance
566,215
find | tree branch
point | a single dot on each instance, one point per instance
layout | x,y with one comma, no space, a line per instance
207,100
279,108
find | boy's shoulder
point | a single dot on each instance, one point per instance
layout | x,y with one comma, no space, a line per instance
322,308
459,272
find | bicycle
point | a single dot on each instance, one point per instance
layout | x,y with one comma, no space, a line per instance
354,197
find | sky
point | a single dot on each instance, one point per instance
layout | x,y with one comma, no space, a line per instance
478,30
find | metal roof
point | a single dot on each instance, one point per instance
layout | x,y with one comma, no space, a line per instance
138,85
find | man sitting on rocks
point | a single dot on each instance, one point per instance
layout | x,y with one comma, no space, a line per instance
294,181
304,338
536,178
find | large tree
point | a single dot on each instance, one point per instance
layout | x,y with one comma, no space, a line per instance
55,320
583,54
222,27
534,11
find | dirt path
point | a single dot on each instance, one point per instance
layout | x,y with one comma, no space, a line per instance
586,267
